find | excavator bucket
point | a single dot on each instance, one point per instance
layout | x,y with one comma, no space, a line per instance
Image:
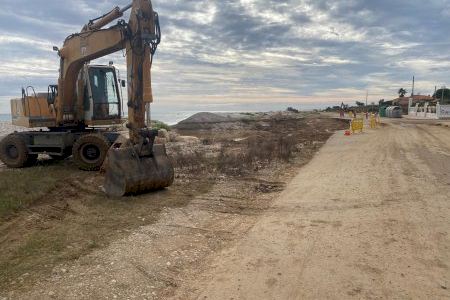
130,173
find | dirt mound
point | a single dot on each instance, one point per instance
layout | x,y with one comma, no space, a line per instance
205,117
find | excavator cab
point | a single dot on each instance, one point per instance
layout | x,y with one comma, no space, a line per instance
102,102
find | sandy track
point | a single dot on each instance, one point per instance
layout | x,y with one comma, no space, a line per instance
368,217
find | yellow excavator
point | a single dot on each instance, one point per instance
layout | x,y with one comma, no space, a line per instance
79,113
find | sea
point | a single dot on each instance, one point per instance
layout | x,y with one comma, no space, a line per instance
172,114
5,117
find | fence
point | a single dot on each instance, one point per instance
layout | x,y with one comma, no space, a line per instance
357,124
443,111
429,111
374,121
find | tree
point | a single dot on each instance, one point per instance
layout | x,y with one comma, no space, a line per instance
402,92
442,94
359,104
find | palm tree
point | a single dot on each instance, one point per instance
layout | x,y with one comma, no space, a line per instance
401,92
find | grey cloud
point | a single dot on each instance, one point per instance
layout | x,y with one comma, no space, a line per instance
296,48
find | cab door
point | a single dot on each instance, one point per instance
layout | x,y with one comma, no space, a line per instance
102,94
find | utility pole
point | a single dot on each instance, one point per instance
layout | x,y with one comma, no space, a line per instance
367,96
411,99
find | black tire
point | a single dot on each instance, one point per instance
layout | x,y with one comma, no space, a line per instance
32,159
14,152
89,151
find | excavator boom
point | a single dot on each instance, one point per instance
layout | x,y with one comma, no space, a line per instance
143,165
140,165
140,37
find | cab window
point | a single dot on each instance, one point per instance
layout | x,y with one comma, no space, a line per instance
104,93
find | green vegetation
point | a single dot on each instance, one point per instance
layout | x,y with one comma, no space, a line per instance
20,188
402,92
160,125
442,95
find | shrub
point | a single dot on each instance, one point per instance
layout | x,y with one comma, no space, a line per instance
160,125
255,153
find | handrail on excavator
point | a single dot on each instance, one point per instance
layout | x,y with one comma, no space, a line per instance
106,18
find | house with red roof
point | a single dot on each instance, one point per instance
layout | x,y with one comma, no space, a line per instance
403,102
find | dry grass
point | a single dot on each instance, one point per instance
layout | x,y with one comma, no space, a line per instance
256,153
233,158
56,213
20,188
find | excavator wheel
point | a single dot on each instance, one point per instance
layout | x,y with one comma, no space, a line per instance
14,152
89,151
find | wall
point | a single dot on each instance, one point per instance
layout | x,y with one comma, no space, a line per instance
443,111
424,112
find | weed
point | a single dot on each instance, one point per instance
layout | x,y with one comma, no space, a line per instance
253,153
20,188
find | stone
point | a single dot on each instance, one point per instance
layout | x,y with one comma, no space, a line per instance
163,133
187,139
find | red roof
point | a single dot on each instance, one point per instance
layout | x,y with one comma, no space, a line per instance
416,98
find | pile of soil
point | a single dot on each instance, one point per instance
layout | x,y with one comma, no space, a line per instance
205,117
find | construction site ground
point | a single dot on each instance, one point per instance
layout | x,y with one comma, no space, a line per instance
363,216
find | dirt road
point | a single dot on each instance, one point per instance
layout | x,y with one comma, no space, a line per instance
367,218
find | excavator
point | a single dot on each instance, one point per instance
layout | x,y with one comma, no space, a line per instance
77,116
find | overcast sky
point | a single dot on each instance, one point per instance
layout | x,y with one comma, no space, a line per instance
221,51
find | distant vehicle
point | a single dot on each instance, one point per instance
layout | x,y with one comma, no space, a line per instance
291,109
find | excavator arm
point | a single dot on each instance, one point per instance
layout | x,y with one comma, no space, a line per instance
79,49
140,37
140,48
140,165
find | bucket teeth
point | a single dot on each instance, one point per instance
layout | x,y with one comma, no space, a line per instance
129,173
